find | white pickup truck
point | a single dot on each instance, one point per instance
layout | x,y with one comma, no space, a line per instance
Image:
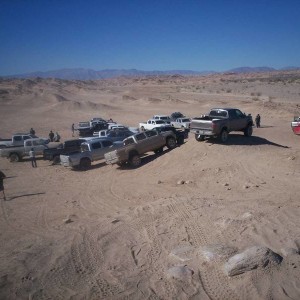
150,124
15,154
90,151
16,140
181,123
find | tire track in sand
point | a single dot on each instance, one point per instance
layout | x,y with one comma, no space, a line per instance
215,284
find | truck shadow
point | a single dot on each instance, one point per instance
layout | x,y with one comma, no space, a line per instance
241,140
93,167
145,160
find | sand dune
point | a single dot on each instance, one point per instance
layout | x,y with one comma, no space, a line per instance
151,232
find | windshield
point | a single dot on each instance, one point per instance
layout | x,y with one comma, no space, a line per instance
186,120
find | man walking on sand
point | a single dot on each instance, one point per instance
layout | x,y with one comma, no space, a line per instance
32,157
2,176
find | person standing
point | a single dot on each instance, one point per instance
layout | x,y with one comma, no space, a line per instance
2,176
32,157
51,136
56,137
257,121
32,131
73,129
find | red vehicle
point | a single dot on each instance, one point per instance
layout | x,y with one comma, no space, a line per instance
296,125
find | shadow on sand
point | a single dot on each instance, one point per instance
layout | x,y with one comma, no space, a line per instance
145,160
93,167
241,140
25,195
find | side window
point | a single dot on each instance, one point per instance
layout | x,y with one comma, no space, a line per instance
150,133
96,145
26,137
106,143
140,137
239,114
129,141
17,138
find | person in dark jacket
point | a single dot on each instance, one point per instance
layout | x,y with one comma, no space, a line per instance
2,176
32,131
51,136
257,121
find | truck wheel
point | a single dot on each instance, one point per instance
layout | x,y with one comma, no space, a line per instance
142,128
121,164
199,137
14,157
159,150
248,131
180,140
85,164
171,143
135,160
56,160
224,136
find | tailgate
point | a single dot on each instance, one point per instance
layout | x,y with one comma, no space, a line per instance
111,157
201,124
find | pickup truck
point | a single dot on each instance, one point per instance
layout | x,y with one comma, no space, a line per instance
220,122
90,151
87,128
150,124
137,145
16,140
15,154
179,134
64,148
181,123
165,118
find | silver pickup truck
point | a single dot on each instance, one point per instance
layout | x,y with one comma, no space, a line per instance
137,145
90,151
15,154
220,122
16,140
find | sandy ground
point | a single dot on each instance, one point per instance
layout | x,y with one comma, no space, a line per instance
112,233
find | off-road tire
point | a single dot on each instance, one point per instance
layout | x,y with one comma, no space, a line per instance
180,140
14,157
142,128
85,163
171,143
224,136
56,160
159,150
248,130
135,161
199,137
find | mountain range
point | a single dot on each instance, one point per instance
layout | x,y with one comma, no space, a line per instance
89,74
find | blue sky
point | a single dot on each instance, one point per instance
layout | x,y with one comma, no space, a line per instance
43,35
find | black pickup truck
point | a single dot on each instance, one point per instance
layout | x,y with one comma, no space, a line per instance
220,122
64,148
181,134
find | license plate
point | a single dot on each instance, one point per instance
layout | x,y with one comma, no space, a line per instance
203,132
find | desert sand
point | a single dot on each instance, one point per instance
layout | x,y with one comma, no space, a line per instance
121,233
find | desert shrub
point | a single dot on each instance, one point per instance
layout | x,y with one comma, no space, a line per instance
258,94
228,91
255,98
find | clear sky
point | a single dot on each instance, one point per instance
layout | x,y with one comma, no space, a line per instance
43,35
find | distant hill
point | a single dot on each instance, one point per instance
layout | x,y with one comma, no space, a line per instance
251,70
89,74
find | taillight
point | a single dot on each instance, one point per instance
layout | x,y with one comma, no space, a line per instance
213,125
